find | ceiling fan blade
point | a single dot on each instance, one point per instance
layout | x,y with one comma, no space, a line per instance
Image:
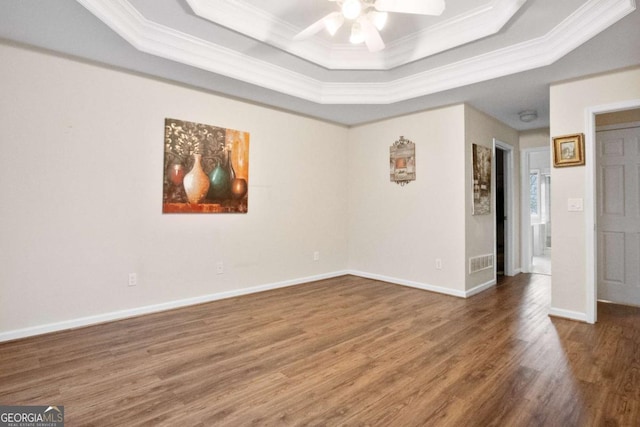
420,7
372,37
317,26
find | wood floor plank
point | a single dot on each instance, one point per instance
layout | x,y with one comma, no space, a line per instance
343,351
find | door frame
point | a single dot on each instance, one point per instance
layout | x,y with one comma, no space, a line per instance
509,226
590,205
525,216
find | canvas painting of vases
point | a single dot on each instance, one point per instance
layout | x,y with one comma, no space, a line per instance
206,168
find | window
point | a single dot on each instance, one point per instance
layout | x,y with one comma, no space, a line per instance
534,192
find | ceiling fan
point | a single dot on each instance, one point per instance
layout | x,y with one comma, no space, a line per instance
369,17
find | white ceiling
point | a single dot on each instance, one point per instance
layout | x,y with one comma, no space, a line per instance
498,55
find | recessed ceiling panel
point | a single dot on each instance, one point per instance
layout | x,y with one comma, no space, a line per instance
240,61
564,40
408,37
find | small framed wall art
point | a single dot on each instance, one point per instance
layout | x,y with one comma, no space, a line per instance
481,180
402,161
568,150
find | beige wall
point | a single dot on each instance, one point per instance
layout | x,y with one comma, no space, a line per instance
618,117
82,178
481,129
397,232
534,138
569,102
81,173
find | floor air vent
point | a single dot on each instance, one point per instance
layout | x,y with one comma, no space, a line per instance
479,263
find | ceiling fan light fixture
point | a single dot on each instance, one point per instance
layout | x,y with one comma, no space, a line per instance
333,23
379,19
351,9
369,18
357,35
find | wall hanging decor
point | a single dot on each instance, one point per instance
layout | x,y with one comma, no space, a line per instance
206,168
402,161
481,180
568,150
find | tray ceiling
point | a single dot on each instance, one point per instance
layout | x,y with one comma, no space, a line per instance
246,49
505,55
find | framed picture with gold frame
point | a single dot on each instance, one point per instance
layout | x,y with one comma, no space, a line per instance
568,150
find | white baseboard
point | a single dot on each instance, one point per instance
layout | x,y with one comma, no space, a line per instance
477,289
568,314
425,286
123,314
409,283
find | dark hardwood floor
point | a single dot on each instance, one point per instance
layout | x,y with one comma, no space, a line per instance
345,351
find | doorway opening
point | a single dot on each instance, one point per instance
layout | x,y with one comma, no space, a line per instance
500,214
539,211
536,210
504,223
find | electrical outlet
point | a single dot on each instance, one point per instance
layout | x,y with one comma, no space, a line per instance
133,279
316,256
438,264
220,268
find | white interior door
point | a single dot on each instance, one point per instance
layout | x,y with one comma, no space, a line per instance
618,233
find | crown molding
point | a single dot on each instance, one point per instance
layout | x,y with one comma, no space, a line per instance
590,19
465,28
587,21
253,22
165,42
